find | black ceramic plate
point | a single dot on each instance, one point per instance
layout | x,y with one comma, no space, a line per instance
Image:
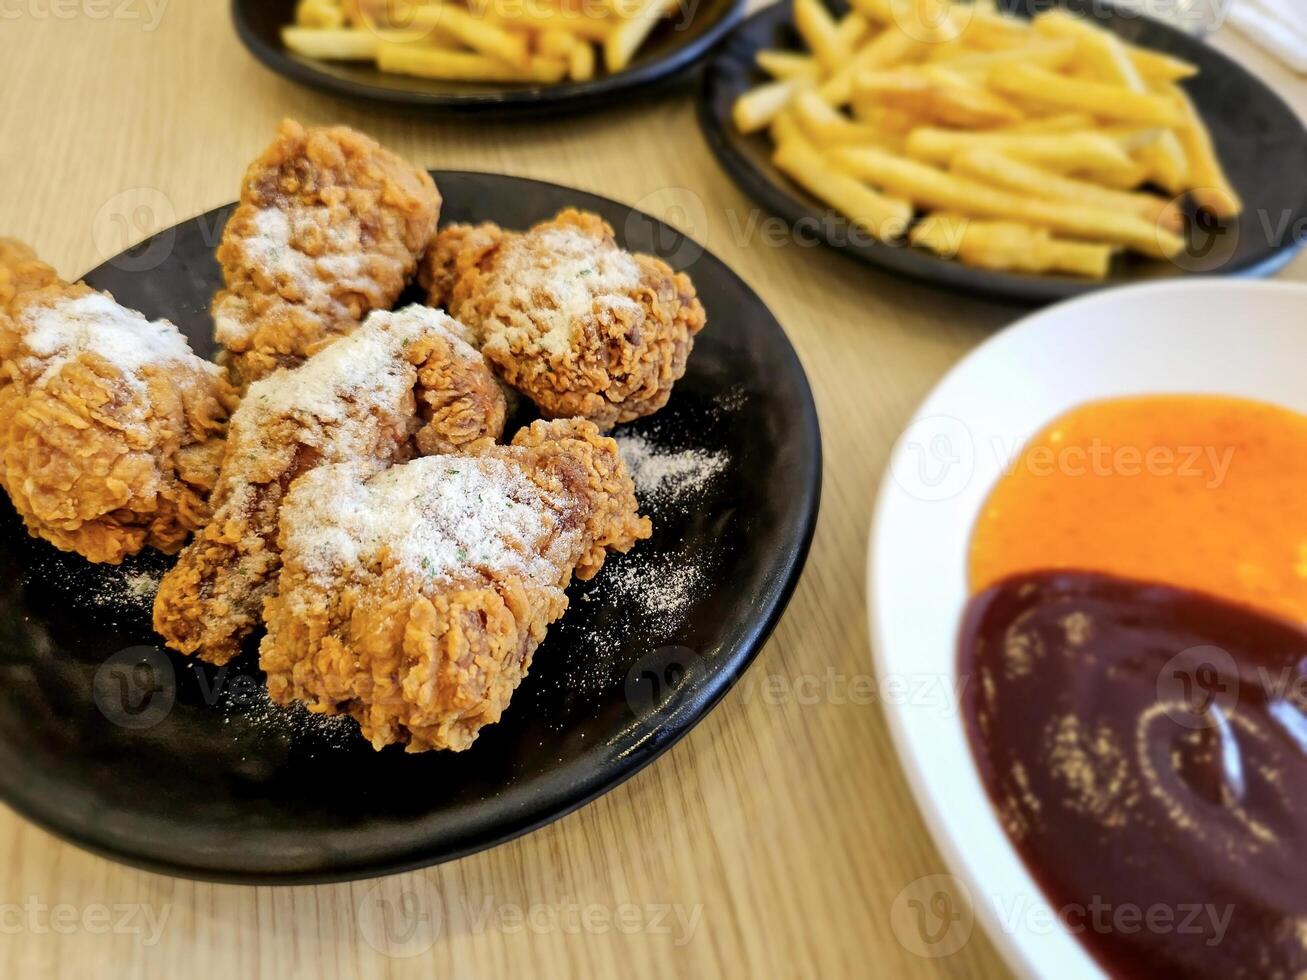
675,45
151,759
1261,141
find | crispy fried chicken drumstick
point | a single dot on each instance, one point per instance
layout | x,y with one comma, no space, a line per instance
110,427
414,599
568,318
330,226
401,384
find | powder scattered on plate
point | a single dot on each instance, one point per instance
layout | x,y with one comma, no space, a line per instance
664,477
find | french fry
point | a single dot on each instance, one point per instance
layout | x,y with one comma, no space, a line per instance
1020,177
1009,245
821,34
1085,150
465,66
1104,55
888,48
885,217
759,106
1066,122
938,96
581,62
1153,66
581,23
319,13
1052,55
1104,101
1209,184
620,46
929,187
851,30
481,35
827,126
787,64
554,42
332,43
1157,67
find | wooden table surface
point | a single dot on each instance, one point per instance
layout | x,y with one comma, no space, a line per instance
774,840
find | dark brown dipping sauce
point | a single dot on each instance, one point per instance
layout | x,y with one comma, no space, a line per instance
1146,748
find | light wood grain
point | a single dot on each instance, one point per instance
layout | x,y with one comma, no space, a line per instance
788,823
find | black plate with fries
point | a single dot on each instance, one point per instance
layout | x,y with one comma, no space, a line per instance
675,45
152,759
1262,144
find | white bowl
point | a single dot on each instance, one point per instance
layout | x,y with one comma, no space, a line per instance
1197,336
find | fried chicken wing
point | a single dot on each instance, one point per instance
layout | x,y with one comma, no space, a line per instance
330,226
110,427
569,319
414,599
402,383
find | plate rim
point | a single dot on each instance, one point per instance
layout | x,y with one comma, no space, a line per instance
909,757
784,575
559,97
1025,289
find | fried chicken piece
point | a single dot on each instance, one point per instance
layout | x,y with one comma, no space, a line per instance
110,427
402,383
415,600
330,226
575,323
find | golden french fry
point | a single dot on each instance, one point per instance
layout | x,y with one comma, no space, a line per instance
1105,101
1009,245
1157,67
1208,181
554,42
938,96
1066,122
828,126
581,62
331,44
931,187
620,46
759,106
319,13
1020,177
1052,55
888,48
1084,150
478,33
583,23
788,64
885,217
465,66
820,33
1151,65
850,31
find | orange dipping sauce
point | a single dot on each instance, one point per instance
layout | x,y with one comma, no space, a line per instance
1201,492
